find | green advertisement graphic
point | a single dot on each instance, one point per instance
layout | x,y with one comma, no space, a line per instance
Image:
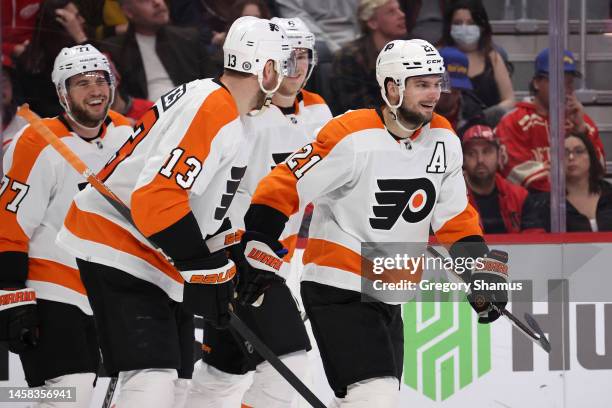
435,342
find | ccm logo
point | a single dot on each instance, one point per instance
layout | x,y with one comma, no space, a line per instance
17,297
267,259
435,61
214,278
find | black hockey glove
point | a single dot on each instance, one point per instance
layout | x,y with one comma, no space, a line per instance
264,256
209,287
486,288
18,319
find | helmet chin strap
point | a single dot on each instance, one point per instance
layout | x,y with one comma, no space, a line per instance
393,110
269,92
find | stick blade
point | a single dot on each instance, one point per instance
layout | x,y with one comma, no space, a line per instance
536,328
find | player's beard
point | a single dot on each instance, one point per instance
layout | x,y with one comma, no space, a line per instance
83,117
413,118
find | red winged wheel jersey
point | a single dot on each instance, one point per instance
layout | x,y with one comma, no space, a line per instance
185,158
273,136
36,192
368,187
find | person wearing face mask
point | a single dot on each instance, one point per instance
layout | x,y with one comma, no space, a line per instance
467,27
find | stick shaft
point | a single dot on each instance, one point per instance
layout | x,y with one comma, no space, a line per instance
124,210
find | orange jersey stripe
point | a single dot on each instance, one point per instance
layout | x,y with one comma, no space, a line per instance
437,122
163,202
279,188
53,272
460,226
28,148
326,253
92,227
311,98
289,243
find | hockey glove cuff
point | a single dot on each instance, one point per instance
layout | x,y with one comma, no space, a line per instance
18,319
489,286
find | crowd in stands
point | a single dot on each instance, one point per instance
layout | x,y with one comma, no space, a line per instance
155,45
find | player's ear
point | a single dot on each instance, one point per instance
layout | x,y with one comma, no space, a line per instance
392,91
270,75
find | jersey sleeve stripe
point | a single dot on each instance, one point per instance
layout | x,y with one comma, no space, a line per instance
162,202
38,270
329,254
92,227
460,226
25,155
279,188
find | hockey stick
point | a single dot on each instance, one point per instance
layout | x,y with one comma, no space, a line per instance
110,392
533,332
124,210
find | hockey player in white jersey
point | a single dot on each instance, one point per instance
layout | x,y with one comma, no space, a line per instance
178,173
374,175
44,312
288,124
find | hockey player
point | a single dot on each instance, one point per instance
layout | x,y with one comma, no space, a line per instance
44,312
374,176
178,173
287,125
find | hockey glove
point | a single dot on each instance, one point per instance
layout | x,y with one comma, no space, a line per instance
209,287
264,256
18,319
486,288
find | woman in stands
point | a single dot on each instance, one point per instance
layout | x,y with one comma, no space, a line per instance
467,27
588,195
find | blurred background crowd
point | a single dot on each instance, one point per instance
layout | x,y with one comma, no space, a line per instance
495,52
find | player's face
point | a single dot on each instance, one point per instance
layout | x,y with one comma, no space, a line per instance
576,159
89,97
292,84
480,161
421,95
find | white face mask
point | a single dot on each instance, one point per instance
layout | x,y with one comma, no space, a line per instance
464,34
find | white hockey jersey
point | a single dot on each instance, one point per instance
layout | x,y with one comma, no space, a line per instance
187,155
36,192
272,137
367,186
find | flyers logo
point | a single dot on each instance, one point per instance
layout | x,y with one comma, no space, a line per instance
412,199
230,191
279,158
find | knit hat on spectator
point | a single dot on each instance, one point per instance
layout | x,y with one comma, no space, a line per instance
479,132
456,63
569,63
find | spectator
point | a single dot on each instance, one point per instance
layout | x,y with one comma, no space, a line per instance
461,105
332,22
59,25
11,123
153,56
524,131
498,201
353,78
104,17
424,19
130,107
467,27
588,195
18,20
